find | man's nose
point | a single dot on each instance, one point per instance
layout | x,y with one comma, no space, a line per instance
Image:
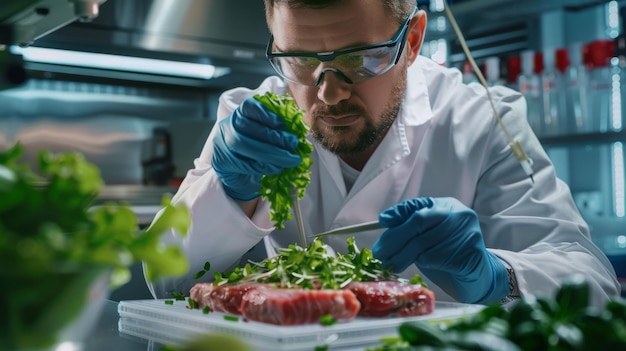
333,86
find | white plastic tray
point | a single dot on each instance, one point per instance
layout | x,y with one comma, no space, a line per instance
175,324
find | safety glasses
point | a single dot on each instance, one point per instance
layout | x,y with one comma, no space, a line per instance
353,65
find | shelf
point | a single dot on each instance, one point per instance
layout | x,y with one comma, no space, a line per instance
584,139
474,16
500,9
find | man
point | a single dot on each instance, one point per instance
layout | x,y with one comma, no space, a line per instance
396,138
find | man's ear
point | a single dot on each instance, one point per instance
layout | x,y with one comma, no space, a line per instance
416,29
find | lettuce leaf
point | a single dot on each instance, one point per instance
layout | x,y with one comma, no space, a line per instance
276,188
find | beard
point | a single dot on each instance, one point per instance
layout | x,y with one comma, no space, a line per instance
346,141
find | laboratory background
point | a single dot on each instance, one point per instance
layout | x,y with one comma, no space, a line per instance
134,86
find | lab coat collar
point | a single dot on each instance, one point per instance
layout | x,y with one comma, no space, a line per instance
416,109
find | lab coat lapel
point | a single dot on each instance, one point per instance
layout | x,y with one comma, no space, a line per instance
331,171
327,191
375,186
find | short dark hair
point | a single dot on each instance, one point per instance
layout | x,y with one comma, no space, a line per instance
399,9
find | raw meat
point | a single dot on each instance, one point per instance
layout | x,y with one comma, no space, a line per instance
222,298
298,306
264,302
386,298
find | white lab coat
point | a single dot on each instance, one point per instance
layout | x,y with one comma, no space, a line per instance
445,143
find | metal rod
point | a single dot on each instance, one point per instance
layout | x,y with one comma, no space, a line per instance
298,214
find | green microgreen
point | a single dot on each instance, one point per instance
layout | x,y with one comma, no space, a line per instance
328,320
192,304
311,268
417,279
199,274
202,272
231,318
178,296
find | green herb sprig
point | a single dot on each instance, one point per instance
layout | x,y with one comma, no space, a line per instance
275,188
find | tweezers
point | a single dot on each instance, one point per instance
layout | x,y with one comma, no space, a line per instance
352,229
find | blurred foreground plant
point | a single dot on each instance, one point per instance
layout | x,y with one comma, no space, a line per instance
55,245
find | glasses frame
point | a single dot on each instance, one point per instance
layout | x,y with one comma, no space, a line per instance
399,37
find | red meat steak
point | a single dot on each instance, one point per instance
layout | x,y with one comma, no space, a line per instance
298,306
385,298
222,298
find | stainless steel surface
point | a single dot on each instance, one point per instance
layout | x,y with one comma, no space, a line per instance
22,22
297,212
222,32
352,229
113,143
115,126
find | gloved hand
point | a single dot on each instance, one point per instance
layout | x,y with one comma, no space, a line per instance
443,238
251,142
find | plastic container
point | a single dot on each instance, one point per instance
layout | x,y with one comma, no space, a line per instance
529,84
513,70
175,324
576,86
553,87
492,71
468,74
604,87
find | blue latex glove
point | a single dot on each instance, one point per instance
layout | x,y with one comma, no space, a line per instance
442,237
251,142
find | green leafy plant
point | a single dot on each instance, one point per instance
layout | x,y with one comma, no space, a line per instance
563,322
54,243
275,188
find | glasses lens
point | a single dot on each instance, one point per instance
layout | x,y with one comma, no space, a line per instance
299,69
357,66
365,64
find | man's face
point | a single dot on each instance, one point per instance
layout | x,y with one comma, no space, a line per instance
347,119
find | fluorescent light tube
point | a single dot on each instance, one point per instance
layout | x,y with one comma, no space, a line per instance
120,63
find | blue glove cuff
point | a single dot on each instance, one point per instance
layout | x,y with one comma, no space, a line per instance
500,282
